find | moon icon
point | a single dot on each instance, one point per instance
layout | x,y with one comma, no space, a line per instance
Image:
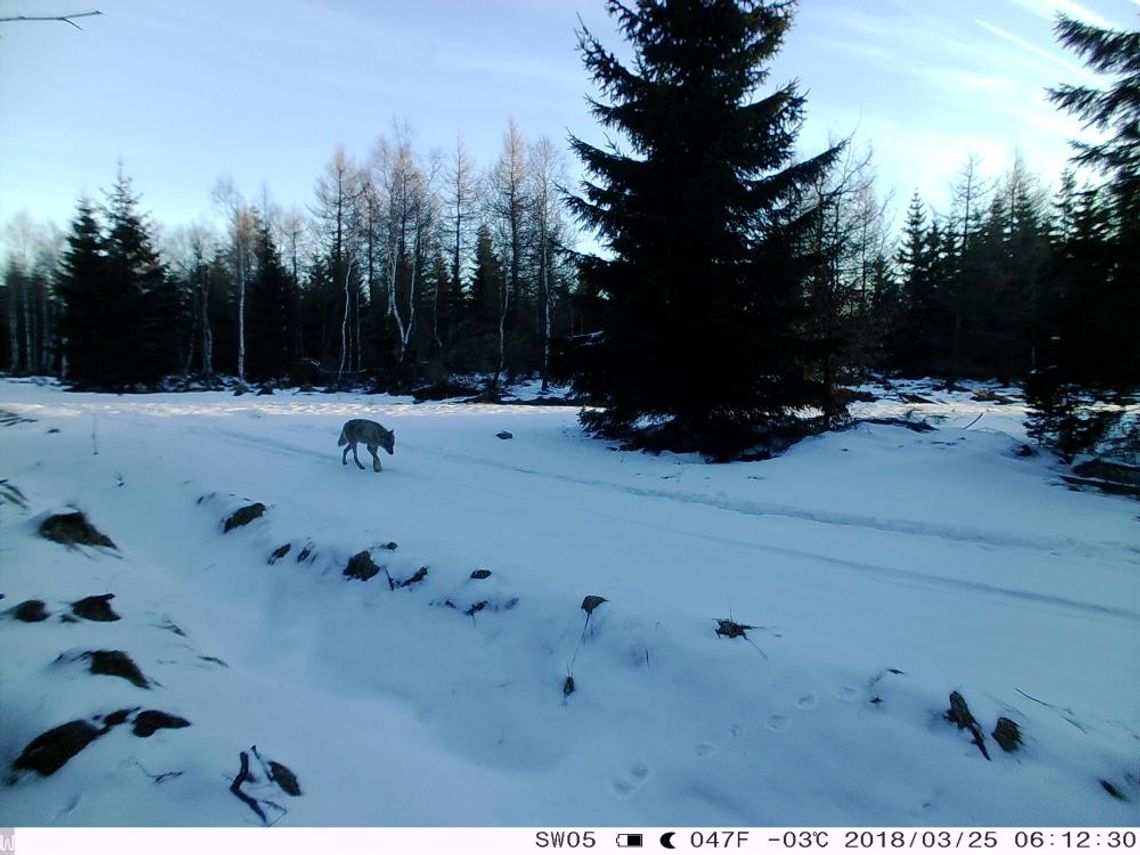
667,840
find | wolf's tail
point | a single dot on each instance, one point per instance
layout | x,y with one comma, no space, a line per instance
343,437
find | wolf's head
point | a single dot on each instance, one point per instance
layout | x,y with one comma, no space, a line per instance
388,440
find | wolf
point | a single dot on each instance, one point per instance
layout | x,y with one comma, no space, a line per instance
372,434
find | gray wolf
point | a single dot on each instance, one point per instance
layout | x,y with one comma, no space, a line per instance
372,434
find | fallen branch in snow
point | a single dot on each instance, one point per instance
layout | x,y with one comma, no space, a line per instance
9,492
1113,790
235,788
280,774
1035,700
9,419
960,714
729,628
1007,734
158,779
974,422
1063,712
588,605
73,528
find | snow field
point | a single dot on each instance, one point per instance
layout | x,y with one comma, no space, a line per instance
941,556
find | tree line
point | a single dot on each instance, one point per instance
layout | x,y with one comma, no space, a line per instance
405,270
742,286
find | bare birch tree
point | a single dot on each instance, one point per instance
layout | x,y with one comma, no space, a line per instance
507,204
339,193
462,204
33,258
189,250
409,224
294,231
970,191
241,222
546,177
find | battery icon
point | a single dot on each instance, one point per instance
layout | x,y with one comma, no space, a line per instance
629,841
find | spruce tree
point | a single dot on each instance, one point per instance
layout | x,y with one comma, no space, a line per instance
271,299
701,218
1093,350
84,316
911,337
140,339
1108,336
478,331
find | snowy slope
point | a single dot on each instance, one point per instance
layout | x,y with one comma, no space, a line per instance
880,569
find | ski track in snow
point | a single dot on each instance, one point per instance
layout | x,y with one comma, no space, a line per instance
748,507
761,509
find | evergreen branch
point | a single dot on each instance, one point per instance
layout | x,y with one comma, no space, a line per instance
1103,50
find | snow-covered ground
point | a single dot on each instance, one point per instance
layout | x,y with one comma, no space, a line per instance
879,569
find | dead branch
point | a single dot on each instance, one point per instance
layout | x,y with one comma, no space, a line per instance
66,19
158,779
235,788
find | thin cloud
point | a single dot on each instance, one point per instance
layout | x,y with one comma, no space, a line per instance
880,55
1048,10
959,79
1033,49
896,43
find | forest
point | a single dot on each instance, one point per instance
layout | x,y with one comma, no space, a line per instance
737,286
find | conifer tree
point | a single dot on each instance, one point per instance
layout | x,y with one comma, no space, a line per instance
1114,111
271,309
1093,349
123,320
478,332
912,350
84,316
701,216
147,308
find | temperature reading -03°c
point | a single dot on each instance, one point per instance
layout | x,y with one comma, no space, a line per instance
801,839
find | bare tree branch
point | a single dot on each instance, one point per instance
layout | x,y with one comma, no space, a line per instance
67,19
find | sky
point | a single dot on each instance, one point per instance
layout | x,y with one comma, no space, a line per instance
263,91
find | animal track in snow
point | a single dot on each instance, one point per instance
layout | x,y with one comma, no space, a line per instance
707,749
847,693
779,723
808,701
627,786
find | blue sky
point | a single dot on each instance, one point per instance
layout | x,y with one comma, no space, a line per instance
264,90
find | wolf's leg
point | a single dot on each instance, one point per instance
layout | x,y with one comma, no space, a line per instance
354,457
344,457
376,467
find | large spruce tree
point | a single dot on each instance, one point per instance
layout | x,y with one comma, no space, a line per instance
271,299
141,344
701,213
1105,339
1091,347
85,319
123,321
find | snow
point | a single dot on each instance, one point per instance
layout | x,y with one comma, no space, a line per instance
942,556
